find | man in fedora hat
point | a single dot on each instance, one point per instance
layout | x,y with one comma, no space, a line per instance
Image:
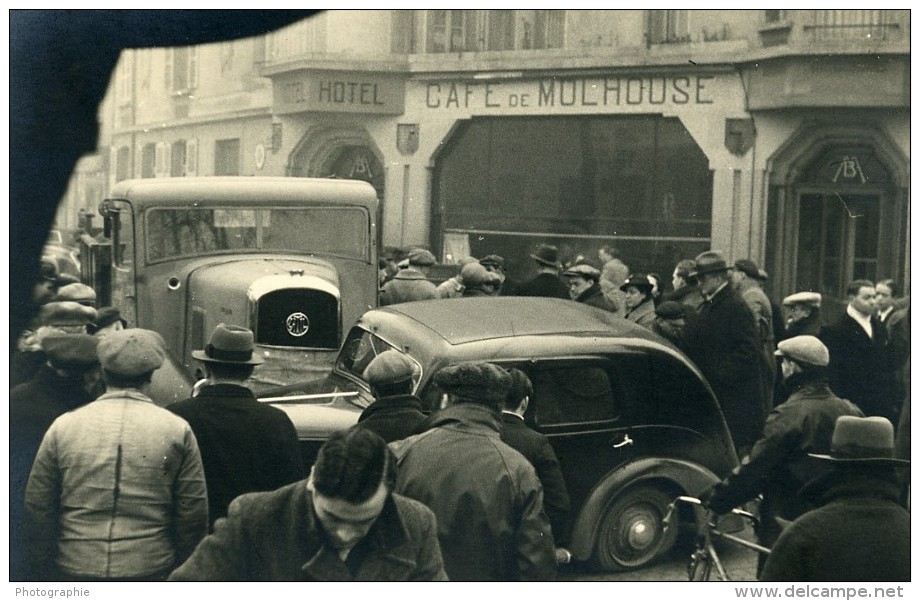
117,490
859,532
246,446
779,464
547,281
722,341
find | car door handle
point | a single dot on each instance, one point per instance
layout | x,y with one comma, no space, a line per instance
626,441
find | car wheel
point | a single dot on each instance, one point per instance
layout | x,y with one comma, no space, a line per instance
631,533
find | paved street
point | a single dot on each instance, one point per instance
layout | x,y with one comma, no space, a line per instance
740,563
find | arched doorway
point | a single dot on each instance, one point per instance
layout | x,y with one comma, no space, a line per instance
838,211
342,153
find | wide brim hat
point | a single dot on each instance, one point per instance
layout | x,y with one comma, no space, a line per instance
865,441
710,261
546,254
637,280
229,344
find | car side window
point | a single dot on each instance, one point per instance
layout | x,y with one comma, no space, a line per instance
572,394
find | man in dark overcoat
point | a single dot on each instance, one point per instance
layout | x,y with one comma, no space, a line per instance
411,283
864,365
486,496
859,532
584,281
395,413
246,446
344,523
547,281
66,381
538,451
779,464
722,341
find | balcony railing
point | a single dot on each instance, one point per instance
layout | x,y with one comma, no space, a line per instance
852,24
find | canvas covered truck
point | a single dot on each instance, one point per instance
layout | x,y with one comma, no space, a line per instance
293,259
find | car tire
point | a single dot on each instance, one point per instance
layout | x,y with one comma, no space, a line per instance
631,533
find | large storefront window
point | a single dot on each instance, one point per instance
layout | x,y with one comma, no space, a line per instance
638,183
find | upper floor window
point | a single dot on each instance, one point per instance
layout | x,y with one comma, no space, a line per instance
184,158
481,30
669,26
851,24
181,69
774,16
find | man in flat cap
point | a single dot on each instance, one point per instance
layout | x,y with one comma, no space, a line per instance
496,264
803,314
779,465
411,283
584,282
246,446
344,522
55,317
68,379
78,293
395,413
452,287
486,496
479,281
723,342
147,506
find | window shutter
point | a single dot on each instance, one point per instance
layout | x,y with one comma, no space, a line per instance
138,170
191,158
168,71
113,165
193,67
159,159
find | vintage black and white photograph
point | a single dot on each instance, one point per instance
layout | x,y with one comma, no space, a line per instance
481,295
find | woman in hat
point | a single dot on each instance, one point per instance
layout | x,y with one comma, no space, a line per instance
859,532
640,304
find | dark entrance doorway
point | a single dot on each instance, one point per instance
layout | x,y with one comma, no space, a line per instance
838,241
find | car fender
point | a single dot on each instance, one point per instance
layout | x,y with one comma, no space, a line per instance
685,477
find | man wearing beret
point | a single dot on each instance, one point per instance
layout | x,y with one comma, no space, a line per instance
779,465
486,496
411,283
395,413
68,379
723,342
146,507
246,446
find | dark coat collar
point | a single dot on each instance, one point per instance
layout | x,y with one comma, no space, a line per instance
389,403
225,391
468,416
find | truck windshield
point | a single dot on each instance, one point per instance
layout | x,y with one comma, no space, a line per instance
184,232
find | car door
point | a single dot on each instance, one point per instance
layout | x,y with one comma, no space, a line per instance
587,407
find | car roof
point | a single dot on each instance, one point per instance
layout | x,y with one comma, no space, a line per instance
463,320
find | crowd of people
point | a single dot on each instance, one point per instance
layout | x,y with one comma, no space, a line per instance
105,485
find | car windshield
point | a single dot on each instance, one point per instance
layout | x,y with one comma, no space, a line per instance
183,232
359,350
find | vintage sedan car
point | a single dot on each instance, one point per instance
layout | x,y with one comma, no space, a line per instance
632,420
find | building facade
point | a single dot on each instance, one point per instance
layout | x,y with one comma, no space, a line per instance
778,135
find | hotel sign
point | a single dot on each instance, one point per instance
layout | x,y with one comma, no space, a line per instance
345,92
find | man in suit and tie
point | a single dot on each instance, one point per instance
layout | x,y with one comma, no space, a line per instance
863,363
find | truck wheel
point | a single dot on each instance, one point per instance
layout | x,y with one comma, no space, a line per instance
631,533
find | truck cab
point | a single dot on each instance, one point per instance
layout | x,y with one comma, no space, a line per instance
292,259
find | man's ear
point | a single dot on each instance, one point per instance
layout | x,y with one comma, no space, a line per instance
523,406
310,485
445,401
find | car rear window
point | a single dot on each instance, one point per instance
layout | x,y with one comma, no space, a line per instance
572,395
